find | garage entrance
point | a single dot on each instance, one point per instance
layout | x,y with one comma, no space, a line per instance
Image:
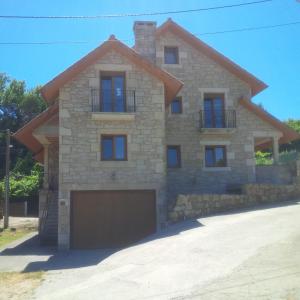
106,219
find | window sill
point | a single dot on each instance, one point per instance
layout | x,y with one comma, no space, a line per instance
217,131
116,160
117,116
175,115
172,65
216,169
114,163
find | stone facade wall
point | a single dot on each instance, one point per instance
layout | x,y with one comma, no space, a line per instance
276,174
192,206
201,75
80,165
53,166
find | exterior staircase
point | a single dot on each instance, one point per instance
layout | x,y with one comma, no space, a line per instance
48,225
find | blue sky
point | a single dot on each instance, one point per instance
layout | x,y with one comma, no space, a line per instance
273,55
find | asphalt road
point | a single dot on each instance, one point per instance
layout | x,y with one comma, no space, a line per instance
247,255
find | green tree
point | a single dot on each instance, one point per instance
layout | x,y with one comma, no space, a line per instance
295,145
17,107
23,186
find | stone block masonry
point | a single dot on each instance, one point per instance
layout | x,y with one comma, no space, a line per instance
202,75
276,174
80,164
193,206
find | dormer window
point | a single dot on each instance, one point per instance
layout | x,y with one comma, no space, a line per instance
171,55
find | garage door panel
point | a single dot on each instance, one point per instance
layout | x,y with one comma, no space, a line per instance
90,218
131,218
102,219
122,222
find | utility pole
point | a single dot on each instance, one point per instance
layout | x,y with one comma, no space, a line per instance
7,161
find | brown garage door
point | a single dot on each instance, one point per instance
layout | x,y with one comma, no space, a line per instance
104,219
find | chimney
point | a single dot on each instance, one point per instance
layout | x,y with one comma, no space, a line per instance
144,34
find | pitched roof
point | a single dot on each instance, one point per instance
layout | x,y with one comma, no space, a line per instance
170,26
172,85
288,133
25,134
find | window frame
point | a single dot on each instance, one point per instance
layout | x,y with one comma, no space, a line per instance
111,74
211,98
113,137
179,98
178,150
214,156
176,52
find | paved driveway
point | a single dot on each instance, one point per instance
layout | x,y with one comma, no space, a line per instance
247,255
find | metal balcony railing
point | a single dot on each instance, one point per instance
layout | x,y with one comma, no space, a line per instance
217,119
113,100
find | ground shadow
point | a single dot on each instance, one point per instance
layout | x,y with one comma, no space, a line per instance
30,246
173,229
58,259
45,258
71,259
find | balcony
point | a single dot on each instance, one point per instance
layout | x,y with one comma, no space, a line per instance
113,104
217,121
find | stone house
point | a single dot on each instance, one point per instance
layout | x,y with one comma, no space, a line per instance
128,129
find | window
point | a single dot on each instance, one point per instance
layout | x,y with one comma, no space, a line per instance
173,157
113,147
171,55
112,95
215,156
176,106
214,114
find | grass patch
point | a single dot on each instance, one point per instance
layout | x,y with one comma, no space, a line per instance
11,234
12,277
15,285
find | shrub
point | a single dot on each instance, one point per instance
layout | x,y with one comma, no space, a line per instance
23,185
289,156
263,158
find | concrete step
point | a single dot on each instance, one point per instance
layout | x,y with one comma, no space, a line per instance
48,241
49,234
50,228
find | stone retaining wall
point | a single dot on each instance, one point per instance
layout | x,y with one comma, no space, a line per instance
276,174
262,193
191,206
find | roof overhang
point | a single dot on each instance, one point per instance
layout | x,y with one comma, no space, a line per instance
288,134
25,135
50,91
255,84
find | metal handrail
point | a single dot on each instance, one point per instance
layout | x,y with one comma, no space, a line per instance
217,118
113,100
44,215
